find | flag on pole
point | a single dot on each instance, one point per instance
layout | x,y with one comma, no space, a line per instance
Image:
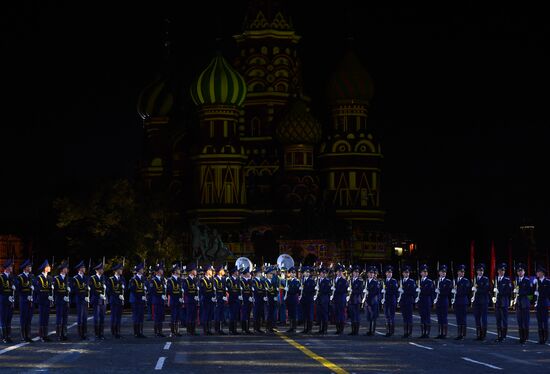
472,259
493,260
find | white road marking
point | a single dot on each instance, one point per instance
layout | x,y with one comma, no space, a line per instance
160,363
481,363
421,346
167,346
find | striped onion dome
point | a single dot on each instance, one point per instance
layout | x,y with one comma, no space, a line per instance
298,126
350,82
220,84
156,100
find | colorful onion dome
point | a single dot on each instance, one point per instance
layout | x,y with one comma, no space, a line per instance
298,126
350,82
220,84
156,100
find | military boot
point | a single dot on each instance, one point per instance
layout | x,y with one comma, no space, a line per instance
478,333
503,334
292,328
440,332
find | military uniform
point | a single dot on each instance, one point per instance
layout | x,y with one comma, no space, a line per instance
270,299
542,295
340,289
81,291
356,287
191,297
233,285
7,302
98,300
24,286
372,301
324,286
480,303
461,301
157,287
62,301
43,298
137,289
443,291
282,305
258,292
390,293
306,301
115,289
183,309
425,301
503,290
292,293
208,301
221,298
523,289
406,302
175,300
247,301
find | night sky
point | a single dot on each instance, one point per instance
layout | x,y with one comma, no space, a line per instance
461,98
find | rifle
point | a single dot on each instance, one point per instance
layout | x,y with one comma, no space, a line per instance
438,289
454,284
400,290
418,287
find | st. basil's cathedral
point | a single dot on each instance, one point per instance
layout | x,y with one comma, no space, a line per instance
253,164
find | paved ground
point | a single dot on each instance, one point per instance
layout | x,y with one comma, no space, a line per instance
279,353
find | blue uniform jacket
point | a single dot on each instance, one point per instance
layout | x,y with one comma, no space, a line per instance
409,291
482,293
341,290
6,289
324,290
504,287
357,287
98,288
234,288
174,291
374,289
23,285
462,292
115,288
42,290
544,293
220,287
60,289
308,291
206,289
157,289
137,287
525,289
445,286
391,290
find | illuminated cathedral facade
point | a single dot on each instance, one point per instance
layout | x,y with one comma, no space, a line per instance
255,164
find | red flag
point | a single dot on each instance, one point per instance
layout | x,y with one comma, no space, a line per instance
493,260
472,259
510,261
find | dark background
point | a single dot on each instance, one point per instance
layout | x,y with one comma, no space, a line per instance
460,103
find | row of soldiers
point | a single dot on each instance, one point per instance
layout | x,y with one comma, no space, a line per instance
246,292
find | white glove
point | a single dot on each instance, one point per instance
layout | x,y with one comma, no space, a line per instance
13,287
382,301
495,290
400,289
383,291
89,289
275,298
417,289
102,297
365,290
333,288
240,298
536,293
143,298
251,299
87,299
12,300
66,299
265,298
164,297
224,298
68,289
331,297
314,297
32,288
104,286
196,298
49,298
182,300
347,298
437,291
516,290
474,288
286,288
416,300
123,286
316,288
213,299
453,290
29,298
121,297
301,288
284,298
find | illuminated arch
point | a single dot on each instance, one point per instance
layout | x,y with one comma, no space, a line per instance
363,146
341,146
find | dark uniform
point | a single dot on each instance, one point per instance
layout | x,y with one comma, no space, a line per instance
503,291
25,287
98,300
43,298
480,302
62,301
175,300
221,298
355,298
443,291
81,292
115,289
157,287
233,285
522,290
425,301
247,301
208,301
406,301
270,299
258,293
137,288
542,301
389,299
306,301
372,300
7,302
338,297
191,300
292,293
324,286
